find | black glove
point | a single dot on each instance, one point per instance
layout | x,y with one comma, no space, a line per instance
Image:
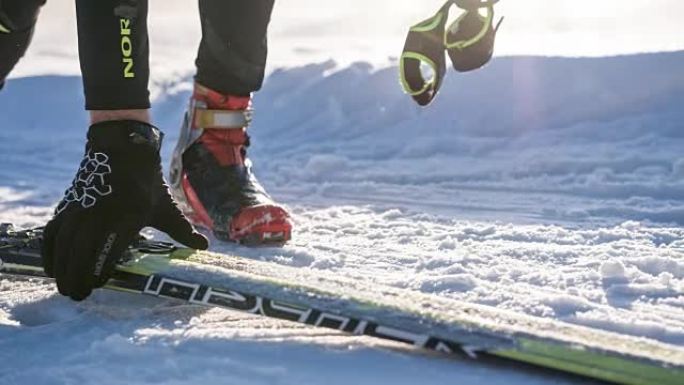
118,190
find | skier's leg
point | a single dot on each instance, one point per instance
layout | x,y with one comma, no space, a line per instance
210,172
114,55
232,54
17,21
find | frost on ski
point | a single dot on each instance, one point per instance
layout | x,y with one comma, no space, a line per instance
548,187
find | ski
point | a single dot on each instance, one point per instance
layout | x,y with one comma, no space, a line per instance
362,308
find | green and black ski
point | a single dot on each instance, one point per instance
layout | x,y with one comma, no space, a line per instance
363,308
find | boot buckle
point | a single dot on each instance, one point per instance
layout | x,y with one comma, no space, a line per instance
228,119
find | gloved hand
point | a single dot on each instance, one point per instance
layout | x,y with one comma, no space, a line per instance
118,190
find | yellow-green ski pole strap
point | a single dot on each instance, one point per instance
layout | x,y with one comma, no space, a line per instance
486,22
469,40
424,45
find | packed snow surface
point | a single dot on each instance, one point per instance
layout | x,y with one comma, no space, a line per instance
551,187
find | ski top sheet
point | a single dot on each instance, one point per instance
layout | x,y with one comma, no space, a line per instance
321,299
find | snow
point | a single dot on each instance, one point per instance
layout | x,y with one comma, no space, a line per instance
612,270
547,186
577,218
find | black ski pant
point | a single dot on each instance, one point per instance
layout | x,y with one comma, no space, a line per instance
114,49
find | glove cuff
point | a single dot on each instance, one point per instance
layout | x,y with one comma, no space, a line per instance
125,135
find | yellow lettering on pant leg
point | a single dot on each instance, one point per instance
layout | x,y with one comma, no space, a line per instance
125,27
128,69
126,48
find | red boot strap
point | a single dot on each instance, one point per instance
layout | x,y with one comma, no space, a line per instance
219,101
226,145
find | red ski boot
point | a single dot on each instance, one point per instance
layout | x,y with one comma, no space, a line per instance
211,177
